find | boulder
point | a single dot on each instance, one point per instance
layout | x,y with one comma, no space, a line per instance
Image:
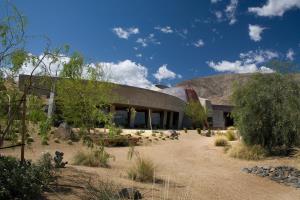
63,131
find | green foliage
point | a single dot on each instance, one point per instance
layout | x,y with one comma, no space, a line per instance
23,181
242,151
196,112
18,58
198,130
267,111
142,170
35,109
221,141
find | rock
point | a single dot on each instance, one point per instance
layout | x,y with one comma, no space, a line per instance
246,170
281,174
63,131
130,193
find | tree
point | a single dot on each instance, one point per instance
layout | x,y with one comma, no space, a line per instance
267,110
83,103
197,113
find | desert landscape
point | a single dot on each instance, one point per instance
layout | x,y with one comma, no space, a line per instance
191,167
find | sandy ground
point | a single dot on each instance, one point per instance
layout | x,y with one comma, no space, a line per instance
190,168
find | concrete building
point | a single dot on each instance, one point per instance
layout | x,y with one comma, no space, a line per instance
142,108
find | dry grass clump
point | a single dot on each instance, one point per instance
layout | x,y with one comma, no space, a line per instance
230,135
142,170
243,151
96,158
104,190
221,141
231,128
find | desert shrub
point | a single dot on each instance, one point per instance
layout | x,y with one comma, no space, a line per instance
93,158
185,130
142,170
267,111
208,133
29,140
23,180
232,128
56,140
198,130
221,141
69,142
230,135
243,151
102,190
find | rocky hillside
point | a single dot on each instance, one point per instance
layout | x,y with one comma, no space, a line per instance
216,88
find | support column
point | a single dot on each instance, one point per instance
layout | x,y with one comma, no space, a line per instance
165,115
171,120
180,119
132,118
149,121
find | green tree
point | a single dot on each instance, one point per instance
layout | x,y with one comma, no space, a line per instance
267,110
83,103
197,113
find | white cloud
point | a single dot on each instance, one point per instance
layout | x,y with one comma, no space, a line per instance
218,15
199,43
231,11
125,33
215,1
127,72
249,62
139,55
290,54
150,39
275,7
164,73
255,32
166,29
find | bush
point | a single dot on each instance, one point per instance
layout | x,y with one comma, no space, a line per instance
231,128
102,191
96,158
142,170
221,141
267,111
56,140
243,151
230,135
23,181
198,130
185,130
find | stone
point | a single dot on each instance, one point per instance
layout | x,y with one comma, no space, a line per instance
130,193
63,131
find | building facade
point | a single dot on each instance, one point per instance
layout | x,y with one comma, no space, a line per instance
146,109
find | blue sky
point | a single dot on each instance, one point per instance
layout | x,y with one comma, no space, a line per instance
171,40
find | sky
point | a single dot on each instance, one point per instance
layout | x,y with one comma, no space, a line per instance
147,42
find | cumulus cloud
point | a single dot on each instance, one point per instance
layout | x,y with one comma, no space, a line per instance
231,11
164,73
125,33
166,29
255,32
125,72
249,62
275,7
150,39
199,43
218,15
290,54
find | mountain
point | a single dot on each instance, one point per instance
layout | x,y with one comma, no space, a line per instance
218,88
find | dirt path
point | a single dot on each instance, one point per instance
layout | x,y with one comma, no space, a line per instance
191,168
